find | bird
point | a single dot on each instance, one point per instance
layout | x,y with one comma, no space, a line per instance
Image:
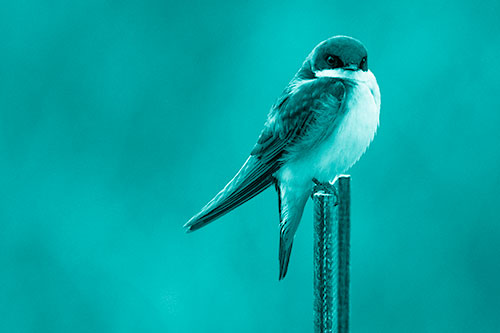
321,124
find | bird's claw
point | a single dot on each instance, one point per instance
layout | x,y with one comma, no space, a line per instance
326,187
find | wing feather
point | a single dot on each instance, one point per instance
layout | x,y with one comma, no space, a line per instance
289,120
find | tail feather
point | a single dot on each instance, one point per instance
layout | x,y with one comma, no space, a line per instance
253,178
291,209
284,257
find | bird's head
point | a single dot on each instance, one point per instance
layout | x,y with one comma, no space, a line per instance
338,52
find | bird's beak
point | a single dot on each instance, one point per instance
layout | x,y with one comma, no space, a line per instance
351,67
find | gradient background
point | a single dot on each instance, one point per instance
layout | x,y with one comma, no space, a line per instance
119,120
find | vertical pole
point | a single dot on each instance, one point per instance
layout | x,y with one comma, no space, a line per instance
331,256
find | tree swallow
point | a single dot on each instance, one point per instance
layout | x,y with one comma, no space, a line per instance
318,128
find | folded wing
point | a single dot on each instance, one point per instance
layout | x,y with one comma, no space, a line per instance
289,120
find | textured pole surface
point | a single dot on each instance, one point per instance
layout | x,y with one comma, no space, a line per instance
331,256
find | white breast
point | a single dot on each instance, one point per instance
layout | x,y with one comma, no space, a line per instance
349,140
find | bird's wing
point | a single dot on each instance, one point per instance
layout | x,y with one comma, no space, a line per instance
253,178
300,118
289,119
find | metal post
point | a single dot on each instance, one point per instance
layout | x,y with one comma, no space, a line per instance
331,256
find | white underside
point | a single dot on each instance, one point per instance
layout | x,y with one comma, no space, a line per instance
348,141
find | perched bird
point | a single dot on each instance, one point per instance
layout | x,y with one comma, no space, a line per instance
318,128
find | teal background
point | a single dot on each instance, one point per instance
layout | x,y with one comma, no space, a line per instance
119,120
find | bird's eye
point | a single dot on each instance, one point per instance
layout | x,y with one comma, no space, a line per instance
333,61
363,65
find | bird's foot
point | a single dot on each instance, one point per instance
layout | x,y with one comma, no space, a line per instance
326,187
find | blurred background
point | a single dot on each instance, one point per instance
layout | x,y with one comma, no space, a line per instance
120,120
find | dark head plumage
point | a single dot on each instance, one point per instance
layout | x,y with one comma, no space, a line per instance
336,52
